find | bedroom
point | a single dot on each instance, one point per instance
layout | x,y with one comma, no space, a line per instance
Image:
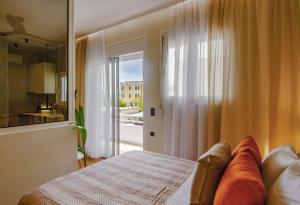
212,71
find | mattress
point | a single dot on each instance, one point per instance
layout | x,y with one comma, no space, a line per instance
140,178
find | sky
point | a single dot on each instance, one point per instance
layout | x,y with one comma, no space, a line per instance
131,70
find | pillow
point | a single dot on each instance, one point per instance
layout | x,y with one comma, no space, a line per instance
285,190
288,148
275,163
249,145
208,171
241,183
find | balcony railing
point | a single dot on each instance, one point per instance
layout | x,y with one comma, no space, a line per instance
131,129
131,134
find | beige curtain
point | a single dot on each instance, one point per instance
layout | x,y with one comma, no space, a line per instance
261,65
233,70
285,73
80,70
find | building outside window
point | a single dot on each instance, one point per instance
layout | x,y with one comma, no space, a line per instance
128,95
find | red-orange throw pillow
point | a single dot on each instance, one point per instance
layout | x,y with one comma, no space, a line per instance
249,145
241,183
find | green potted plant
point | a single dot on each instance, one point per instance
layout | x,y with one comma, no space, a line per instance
79,124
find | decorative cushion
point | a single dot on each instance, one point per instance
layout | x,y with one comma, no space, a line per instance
285,190
208,171
275,163
249,145
241,183
289,148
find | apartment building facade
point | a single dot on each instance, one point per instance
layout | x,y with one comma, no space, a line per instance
131,92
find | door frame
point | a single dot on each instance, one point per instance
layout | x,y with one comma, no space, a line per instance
116,49
113,64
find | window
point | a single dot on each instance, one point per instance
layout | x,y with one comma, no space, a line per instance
29,67
129,95
62,88
129,87
174,60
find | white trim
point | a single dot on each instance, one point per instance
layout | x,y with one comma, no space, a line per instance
71,63
36,127
162,34
127,46
127,40
131,56
71,75
146,96
117,61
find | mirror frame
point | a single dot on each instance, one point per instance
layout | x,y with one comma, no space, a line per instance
71,80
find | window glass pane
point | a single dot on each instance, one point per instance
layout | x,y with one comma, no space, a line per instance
175,69
31,57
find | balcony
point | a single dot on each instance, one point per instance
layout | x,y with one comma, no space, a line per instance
131,131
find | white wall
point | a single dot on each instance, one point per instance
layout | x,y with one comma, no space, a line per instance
30,159
149,26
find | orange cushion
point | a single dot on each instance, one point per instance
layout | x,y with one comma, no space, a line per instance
249,145
241,183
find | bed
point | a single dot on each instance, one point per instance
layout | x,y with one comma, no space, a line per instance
137,177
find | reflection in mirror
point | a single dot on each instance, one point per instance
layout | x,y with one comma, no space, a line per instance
33,62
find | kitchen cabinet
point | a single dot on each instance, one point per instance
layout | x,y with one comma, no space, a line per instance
41,78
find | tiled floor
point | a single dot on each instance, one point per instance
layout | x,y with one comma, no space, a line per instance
128,147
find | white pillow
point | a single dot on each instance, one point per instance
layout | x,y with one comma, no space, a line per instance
276,162
286,190
289,148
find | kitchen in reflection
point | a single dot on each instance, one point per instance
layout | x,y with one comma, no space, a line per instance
33,79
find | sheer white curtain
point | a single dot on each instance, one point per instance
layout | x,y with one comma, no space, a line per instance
192,82
233,70
97,98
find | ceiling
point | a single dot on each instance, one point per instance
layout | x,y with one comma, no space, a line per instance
95,15
45,19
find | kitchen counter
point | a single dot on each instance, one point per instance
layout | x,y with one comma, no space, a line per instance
43,117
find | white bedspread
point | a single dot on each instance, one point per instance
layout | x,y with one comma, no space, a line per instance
140,178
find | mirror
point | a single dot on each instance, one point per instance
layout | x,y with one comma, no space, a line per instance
33,62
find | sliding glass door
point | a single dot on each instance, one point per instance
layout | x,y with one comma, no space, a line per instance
126,68
113,66
131,100
127,94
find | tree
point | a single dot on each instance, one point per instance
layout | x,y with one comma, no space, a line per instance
122,103
140,104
